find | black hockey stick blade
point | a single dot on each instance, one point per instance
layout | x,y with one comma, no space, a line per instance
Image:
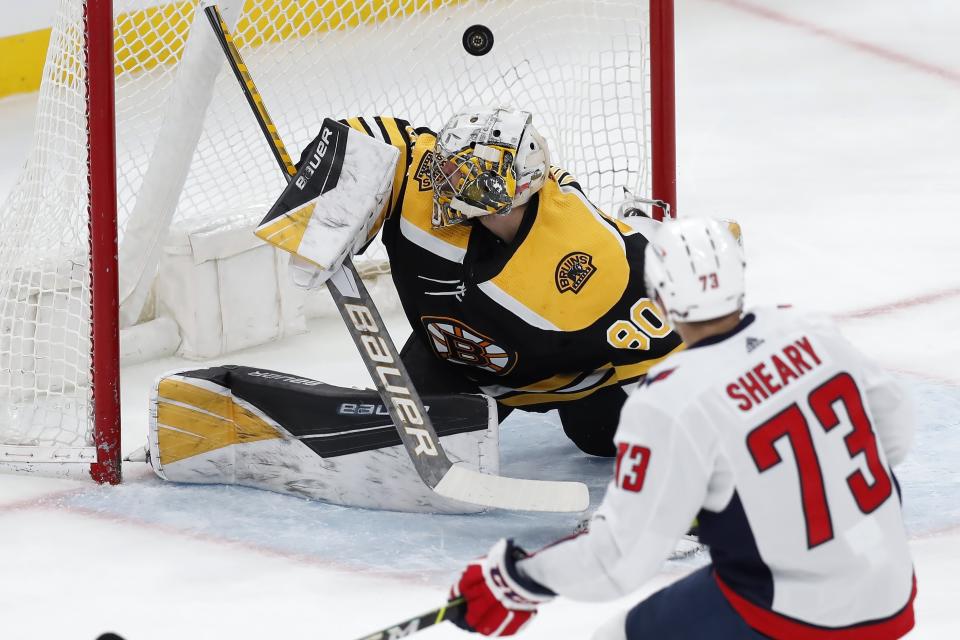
449,611
382,359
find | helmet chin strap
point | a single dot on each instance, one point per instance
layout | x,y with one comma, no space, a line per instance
468,210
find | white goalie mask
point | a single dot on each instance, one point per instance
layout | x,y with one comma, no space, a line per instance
695,269
485,162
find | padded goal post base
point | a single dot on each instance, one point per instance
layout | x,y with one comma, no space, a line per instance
285,433
48,461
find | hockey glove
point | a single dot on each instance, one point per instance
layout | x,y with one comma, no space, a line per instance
499,600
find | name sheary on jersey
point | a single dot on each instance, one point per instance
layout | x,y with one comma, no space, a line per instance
775,372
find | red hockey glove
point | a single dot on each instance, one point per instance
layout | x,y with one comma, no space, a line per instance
499,600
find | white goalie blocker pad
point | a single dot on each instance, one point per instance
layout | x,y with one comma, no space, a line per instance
275,431
331,207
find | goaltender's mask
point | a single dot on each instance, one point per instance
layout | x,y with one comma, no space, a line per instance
486,162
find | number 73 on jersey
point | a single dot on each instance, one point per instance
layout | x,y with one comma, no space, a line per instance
869,490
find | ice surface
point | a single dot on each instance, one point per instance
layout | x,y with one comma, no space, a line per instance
534,446
370,540
930,478
842,166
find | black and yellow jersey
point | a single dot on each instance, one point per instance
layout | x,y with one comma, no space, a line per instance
551,317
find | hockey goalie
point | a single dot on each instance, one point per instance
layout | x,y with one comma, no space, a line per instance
515,285
520,293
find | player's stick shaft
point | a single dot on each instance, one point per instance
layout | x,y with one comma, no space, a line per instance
449,611
250,91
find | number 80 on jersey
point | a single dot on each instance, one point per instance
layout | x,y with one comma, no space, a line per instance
636,333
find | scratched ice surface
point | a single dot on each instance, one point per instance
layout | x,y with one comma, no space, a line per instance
929,477
383,541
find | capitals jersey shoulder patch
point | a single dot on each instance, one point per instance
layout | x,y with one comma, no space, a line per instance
659,377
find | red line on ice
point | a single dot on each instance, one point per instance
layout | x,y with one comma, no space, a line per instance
57,501
890,55
899,305
299,558
949,382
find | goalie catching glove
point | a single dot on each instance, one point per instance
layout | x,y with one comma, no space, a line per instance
499,600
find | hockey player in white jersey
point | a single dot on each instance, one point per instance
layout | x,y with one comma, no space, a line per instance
777,435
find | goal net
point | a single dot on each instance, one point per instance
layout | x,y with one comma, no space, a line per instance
189,153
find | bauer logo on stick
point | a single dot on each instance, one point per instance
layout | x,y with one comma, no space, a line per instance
390,380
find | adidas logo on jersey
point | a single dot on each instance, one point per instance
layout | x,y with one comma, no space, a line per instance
753,343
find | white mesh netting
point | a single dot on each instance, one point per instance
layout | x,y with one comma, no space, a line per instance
580,67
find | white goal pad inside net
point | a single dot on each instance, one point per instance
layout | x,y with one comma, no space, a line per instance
190,154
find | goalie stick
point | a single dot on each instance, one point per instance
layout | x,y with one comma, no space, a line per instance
389,375
410,626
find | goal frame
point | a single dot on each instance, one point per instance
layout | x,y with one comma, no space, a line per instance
663,127
104,264
102,206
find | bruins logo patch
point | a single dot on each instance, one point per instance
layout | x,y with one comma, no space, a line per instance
574,271
455,342
422,176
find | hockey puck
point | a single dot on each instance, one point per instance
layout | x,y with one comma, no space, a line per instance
478,40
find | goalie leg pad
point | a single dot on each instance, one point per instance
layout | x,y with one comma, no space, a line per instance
285,433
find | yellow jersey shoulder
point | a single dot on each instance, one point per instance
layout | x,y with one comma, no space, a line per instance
572,266
416,210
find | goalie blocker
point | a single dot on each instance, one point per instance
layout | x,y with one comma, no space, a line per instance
330,210
270,430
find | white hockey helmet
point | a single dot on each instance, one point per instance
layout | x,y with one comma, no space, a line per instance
694,268
486,161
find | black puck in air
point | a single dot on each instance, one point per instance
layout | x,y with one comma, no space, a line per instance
478,40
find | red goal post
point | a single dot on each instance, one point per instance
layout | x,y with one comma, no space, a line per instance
663,125
104,287
125,127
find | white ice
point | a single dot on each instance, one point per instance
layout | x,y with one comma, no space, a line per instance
829,130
